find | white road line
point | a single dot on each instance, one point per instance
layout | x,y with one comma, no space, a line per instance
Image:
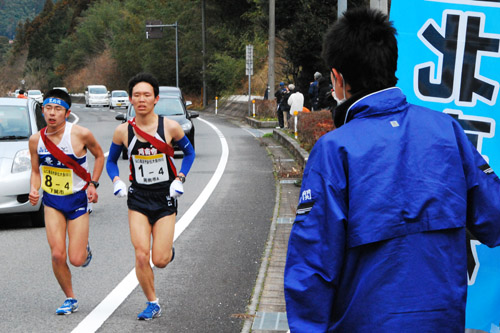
101,313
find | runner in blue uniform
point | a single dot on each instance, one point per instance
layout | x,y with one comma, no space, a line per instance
155,185
65,193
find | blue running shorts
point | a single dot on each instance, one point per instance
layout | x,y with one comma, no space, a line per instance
71,206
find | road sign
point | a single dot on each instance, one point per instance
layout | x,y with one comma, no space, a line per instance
249,60
153,32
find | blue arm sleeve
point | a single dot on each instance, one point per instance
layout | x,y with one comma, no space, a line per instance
111,164
315,253
188,150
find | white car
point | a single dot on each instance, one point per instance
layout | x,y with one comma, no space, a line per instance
119,99
37,95
19,118
62,88
96,95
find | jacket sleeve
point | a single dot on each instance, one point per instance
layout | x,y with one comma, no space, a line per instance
315,251
483,198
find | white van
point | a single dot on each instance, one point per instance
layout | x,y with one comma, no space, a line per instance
96,95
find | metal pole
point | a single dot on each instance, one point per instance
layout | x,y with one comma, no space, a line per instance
249,93
203,52
270,73
176,55
380,5
341,7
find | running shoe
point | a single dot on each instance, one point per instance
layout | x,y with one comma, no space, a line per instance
69,306
89,256
152,311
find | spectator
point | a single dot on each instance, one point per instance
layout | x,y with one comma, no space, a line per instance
21,94
379,239
296,99
280,95
314,92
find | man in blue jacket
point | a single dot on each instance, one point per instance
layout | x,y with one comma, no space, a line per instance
379,240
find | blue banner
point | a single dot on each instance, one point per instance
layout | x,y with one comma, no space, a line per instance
449,61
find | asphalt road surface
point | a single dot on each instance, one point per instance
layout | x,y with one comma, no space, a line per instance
222,226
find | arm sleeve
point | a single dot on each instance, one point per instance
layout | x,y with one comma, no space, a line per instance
315,254
189,154
111,163
483,199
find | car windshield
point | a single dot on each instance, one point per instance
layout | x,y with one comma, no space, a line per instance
34,92
120,94
166,107
97,90
14,122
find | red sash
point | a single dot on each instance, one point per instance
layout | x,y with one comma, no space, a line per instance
65,159
160,145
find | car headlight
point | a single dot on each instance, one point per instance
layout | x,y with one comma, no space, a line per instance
22,161
187,126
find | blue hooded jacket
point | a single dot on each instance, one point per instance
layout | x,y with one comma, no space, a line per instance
379,239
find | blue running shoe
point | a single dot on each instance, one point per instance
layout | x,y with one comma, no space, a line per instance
89,256
152,311
69,306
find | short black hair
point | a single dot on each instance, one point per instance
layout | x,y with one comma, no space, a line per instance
21,91
362,46
58,93
144,77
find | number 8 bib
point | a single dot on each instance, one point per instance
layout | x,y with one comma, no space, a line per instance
57,181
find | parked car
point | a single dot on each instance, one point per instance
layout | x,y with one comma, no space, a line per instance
62,88
19,118
173,91
16,92
119,99
173,108
96,95
37,95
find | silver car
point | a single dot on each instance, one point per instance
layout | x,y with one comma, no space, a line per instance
37,95
19,118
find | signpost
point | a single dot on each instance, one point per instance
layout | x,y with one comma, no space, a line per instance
449,60
249,72
154,30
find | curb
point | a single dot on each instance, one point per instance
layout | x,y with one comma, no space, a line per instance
299,153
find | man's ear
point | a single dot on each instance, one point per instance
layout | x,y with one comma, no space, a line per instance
338,78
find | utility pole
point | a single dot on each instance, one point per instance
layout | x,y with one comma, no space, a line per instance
380,5
203,40
272,32
341,7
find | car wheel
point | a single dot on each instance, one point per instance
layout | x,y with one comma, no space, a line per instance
111,107
37,218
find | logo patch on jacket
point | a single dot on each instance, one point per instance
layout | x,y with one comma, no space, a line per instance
306,203
486,169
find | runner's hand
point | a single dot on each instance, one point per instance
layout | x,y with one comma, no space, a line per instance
176,189
120,189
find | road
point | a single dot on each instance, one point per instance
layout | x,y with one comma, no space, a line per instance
226,212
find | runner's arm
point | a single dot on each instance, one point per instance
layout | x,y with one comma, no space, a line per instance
35,181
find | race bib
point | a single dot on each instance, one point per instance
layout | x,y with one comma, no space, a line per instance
57,181
150,169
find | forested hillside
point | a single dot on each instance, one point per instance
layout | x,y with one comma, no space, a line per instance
14,11
80,42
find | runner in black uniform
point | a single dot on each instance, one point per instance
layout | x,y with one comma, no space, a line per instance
152,199
151,195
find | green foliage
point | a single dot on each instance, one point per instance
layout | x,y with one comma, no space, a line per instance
14,11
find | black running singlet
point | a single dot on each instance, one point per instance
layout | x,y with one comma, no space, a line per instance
149,168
